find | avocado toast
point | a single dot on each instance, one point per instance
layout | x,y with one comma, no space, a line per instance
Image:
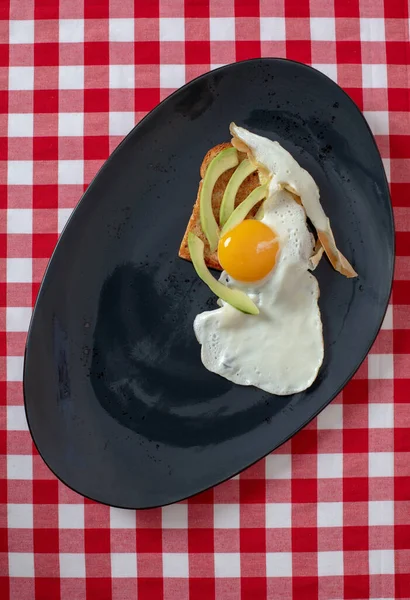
250,183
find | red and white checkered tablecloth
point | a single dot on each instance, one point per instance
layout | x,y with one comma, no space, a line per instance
326,516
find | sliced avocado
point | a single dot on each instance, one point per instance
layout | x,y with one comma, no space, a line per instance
235,298
244,207
260,212
223,161
244,169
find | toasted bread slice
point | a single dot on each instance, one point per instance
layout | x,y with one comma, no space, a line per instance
194,224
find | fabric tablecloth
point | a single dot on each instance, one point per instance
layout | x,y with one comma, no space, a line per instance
327,515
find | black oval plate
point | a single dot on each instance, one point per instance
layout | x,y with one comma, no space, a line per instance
117,400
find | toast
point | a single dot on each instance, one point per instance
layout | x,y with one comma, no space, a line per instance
194,224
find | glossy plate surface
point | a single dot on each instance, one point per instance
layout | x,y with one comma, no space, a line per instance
118,402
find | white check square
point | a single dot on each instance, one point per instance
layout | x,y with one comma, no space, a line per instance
20,516
272,29
122,76
279,564
70,171
175,564
71,77
381,464
19,270
21,32
278,466
63,216
330,466
327,69
388,317
121,518
172,76
330,563
121,30
381,562
19,220
330,514
21,78
172,30
331,417
381,512
226,516
21,564
378,121
380,366
71,516
20,172
15,367
18,318
387,167
175,516
121,123
372,30
20,124
221,29
72,565
227,564
71,30
374,76
278,515
322,29
124,564
16,418
19,466
71,124
381,416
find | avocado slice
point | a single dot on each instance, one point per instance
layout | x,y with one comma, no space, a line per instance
223,161
244,169
260,212
235,298
244,207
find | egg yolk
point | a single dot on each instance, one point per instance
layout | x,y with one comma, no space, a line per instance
248,251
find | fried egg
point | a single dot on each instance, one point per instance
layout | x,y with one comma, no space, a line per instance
281,349
284,172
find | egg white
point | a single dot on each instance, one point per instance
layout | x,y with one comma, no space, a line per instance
281,349
284,171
